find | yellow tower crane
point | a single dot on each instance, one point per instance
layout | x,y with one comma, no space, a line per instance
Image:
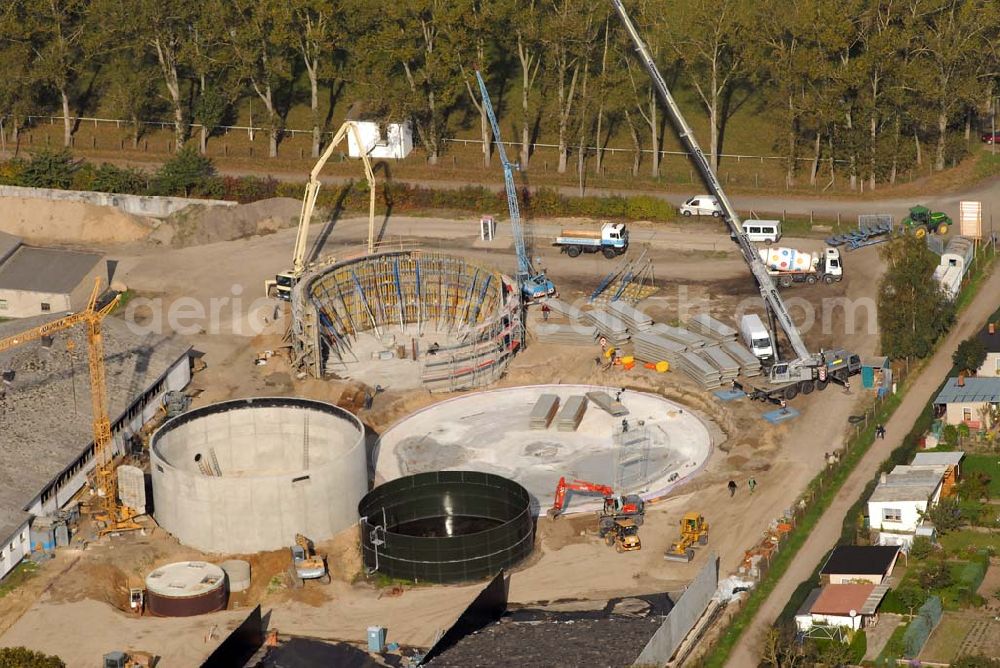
112,512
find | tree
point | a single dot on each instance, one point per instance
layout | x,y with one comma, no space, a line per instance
779,648
318,34
945,515
185,173
911,597
261,39
935,575
921,548
913,310
969,356
212,65
975,486
131,89
17,94
526,21
22,657
111,179
49,169
709,37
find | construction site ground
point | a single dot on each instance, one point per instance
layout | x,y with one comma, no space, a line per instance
696,267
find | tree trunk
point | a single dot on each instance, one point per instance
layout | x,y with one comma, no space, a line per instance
637,155
168,68
792,122
853,160
598,150
872,128
67,122
432,138
895,152
311,69
654,133
203,132
484,126
814,170
713,118
526,80
968,124
916,142
136,130
942,132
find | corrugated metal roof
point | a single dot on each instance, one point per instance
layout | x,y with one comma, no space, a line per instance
909,484
46,269
937,458
975,390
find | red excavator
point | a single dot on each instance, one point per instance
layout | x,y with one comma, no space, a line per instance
630,505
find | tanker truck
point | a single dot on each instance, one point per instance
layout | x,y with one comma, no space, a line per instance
788,265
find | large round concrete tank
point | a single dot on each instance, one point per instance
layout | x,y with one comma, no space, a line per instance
186,588
246,476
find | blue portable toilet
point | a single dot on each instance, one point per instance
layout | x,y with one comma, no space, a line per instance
873,372
42,535
376,639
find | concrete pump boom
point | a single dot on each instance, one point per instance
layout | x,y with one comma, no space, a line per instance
768,290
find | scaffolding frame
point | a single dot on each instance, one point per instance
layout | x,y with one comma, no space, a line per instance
632,448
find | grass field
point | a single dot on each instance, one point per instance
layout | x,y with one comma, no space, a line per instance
959,542
21,574
946,639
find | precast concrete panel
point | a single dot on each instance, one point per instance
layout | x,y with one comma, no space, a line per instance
247,475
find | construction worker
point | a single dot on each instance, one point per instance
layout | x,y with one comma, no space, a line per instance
624,425
752,484
545,312
732,488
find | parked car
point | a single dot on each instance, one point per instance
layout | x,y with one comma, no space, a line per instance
991,137
701,205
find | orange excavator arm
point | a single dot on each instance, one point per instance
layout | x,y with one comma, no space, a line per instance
576,486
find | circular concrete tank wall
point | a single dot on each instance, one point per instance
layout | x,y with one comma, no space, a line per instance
245,476
186,588
447,526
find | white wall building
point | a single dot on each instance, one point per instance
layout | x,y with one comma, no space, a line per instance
38,281
895,507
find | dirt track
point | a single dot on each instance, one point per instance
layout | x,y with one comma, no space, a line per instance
827,532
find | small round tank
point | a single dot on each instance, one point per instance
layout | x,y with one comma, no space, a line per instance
185,589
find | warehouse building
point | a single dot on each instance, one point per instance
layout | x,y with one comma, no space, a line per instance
46,443
35,281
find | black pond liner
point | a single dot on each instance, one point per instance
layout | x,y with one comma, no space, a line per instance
446,526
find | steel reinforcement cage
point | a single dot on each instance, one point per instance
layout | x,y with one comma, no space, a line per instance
446,494
333,304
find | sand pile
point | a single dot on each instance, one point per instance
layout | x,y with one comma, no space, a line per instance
196,225
46,221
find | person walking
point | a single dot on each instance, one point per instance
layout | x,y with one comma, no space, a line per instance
752,484
545,312
732,488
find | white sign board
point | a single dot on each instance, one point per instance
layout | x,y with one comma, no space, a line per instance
132,487
397,142
970,219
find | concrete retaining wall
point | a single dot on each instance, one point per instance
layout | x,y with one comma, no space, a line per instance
682,618
139,205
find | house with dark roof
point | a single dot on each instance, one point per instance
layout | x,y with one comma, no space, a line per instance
859,563
964,400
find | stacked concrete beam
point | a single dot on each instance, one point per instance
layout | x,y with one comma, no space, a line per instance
749,364
706,325
652,347
701,371
683,336
727,366
567,335
634,319
610,327
572,412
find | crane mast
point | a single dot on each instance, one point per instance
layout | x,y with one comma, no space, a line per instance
533,284
117,517
768,290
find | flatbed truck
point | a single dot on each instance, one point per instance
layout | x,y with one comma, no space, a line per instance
611,240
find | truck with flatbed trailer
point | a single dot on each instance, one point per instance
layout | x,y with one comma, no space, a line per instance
611,240
789,265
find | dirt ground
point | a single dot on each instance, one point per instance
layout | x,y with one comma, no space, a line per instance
694,267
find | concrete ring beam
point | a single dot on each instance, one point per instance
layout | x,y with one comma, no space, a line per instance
185,589
446,526
491,431
245,476
406,319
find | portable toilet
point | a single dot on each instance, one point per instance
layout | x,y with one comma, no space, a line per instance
42,534
376,639
873,372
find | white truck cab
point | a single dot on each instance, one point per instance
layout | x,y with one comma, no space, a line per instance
701,205
756,337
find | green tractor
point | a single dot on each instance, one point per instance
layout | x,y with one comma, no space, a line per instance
922,221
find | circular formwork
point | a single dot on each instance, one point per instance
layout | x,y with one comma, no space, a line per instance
246,476
491,431
237,573
186,588
446,526
407,319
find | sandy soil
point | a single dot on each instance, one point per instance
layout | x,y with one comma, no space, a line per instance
694,266
44,221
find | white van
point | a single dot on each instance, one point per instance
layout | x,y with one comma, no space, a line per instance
701,205
756,337
767,231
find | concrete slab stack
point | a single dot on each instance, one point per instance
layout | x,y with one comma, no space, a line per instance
652,347
727,366
681,335
567,335
572,412
749,364
543,411
701,371
706,325
574,314
610,327
634,319
604,401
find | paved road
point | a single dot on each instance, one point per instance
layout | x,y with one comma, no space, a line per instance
827,532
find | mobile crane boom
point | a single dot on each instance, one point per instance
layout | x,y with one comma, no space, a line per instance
768,290
533,284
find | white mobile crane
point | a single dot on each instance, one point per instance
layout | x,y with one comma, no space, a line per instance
808,371
281,285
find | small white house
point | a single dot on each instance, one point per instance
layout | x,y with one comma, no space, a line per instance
895,507
963,400
397,142
849,606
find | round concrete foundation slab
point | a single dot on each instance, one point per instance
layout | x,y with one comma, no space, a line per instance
248,475
665,443
186,588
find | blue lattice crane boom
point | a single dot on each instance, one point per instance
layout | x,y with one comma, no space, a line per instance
533,284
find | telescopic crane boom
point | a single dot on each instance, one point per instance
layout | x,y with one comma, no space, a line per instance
533,284
768,291
282,284
116,516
